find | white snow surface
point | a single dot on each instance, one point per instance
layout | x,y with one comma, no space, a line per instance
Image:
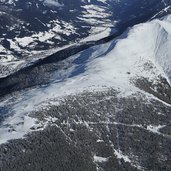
52,3
113,64
119,155
99,33
45,2
99,159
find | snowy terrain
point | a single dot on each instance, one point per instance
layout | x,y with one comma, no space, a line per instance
85,84
98,68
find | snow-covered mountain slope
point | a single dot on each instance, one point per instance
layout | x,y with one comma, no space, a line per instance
134,63
34,29
137,57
